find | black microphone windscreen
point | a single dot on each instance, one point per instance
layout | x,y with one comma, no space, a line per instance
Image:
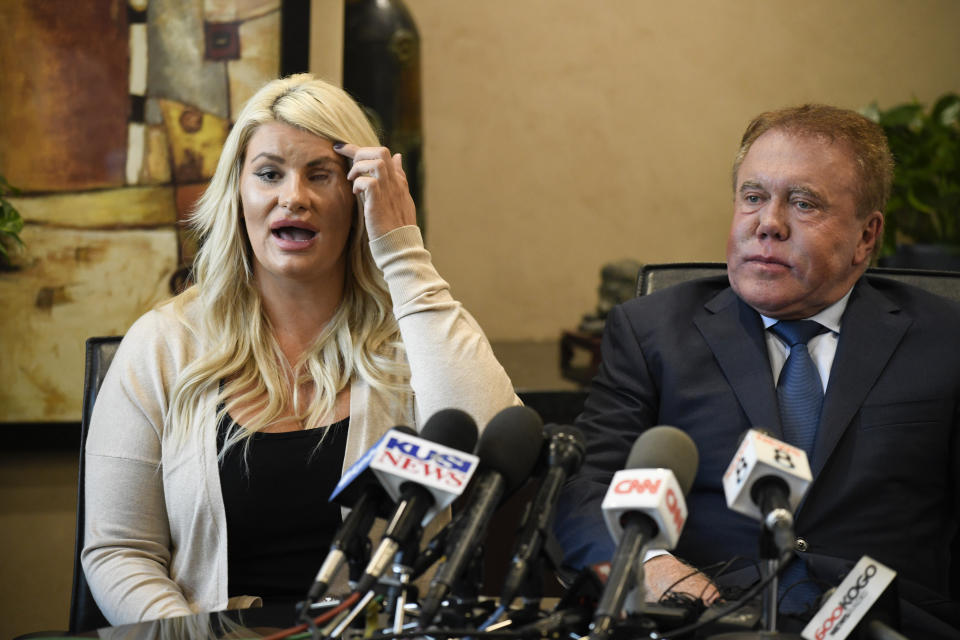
566,447
511,443
666,447
452,428
566,430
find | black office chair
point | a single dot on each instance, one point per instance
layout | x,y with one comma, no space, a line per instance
85,615
558,407
654,277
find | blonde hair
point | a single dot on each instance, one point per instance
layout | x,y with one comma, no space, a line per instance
239,350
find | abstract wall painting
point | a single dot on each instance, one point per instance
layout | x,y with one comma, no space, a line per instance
112,116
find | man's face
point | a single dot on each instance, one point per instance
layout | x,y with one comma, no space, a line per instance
796,243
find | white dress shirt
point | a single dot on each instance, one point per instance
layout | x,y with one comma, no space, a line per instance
822,348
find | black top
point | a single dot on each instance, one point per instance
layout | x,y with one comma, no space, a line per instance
279,521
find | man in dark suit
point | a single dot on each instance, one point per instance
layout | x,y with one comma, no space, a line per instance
810,186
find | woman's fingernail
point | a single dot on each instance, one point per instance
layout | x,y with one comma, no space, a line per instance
338,145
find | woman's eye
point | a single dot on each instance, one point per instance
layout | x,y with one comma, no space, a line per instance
268,175
323,176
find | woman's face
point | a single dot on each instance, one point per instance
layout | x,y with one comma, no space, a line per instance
297,206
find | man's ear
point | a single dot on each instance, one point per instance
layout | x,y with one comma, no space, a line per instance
871,234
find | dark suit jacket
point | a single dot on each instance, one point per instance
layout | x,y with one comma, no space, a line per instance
885,463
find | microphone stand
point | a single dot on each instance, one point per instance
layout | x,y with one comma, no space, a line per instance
358,558
769,566
530,592
399,603
531,587
465,591
399,584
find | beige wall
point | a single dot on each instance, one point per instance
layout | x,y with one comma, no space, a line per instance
326,40
38,497
564,134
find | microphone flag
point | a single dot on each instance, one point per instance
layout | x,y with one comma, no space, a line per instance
654,492
761,456
865,583
401,458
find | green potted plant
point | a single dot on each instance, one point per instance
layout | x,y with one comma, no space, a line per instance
10,224
923,214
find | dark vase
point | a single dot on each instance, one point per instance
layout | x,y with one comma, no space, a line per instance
941,257
381,70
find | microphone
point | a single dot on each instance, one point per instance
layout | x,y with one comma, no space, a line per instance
852,601
423,475
360,490
508,451
766,480
565,450
644,506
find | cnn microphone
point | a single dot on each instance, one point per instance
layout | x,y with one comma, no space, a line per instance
359,490
644,505
508,450
565,450
766,480
423,475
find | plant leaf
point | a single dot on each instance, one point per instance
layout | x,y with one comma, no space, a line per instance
10,220
904,115
6,188
871,111
946,110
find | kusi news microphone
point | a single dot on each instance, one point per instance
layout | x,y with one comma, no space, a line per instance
508,450
766,480
423,475
564,454
644,506
360,490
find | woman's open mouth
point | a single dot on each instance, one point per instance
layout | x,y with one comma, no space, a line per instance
293,234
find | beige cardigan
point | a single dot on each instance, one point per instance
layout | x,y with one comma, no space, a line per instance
156,538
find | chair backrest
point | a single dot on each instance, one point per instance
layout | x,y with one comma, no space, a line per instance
84,613
556,406
654,277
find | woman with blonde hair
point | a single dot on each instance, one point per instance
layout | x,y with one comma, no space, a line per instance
316,323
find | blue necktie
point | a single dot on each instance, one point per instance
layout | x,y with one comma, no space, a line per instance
799,389
800,394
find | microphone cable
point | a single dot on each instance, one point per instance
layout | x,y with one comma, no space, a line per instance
824,586
721,567
457,633
748,595
321,619
497,613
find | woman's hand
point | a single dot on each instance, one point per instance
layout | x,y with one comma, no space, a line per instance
380,182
